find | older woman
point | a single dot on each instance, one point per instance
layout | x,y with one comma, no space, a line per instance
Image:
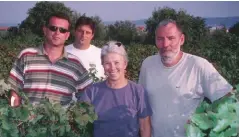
121,105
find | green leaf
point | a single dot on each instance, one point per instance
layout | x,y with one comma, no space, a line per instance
34,120
237,87
24,113
55,127
213,134
221,125
237,108
6,123
62,130
31,133
230,132
3,102
4,110
202,107
213,117
41,132
193,131
68,128
14,131
77,120
202,121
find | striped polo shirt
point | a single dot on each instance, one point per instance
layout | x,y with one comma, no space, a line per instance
39,78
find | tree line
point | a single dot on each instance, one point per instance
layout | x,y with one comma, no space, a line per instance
219,47
125,31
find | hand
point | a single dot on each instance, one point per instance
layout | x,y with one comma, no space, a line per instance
15,99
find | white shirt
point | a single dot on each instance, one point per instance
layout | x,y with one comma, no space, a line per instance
90,58
175,92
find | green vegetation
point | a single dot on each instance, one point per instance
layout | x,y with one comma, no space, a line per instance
219,119
45,119
235,29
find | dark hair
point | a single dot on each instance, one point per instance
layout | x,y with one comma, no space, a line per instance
60,15
83,20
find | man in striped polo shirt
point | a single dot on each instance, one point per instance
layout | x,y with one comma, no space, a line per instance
48,71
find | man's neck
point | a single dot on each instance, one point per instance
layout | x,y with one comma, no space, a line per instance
53,52
117,84
81,46
176,60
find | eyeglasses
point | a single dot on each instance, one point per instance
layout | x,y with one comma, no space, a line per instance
54,29
118,44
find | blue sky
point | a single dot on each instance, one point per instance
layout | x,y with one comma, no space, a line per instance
15,12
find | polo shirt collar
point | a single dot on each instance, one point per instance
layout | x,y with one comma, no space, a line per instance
41,51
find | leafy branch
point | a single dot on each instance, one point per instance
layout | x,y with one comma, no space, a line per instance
45,119
217,119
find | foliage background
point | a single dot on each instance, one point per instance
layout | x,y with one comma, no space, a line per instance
219,47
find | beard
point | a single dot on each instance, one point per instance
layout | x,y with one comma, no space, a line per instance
168,56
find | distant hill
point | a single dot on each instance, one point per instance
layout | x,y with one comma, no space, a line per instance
212,21
8,24
227,21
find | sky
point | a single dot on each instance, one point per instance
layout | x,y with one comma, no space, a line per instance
16,11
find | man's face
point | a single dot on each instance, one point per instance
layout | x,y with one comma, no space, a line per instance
56,32
169,40
83,35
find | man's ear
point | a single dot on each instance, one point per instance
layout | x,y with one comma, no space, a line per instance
182,39
93,36
68,35
44,29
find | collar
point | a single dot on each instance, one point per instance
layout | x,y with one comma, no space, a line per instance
41,51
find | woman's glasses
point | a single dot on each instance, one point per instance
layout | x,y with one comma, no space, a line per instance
118,44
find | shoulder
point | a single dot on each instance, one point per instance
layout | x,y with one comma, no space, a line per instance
96,49
135,86
73,58
150,60
69,47
197,61
28,52
96,87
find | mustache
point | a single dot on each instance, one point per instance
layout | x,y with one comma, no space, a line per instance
168,50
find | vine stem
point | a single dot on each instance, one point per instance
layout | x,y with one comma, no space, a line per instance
19,124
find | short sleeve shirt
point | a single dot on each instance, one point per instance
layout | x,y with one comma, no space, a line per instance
118,110
175,92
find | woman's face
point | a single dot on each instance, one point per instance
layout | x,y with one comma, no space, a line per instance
114,66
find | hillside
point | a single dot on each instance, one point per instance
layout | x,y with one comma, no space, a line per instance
212,21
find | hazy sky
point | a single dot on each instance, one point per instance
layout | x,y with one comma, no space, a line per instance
15,12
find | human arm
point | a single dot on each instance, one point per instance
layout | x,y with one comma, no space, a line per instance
214,84
16,80
145,127
144,113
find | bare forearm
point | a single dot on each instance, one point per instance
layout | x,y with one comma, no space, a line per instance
145,133
145,127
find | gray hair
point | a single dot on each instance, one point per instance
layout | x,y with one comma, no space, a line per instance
166,22
113,47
